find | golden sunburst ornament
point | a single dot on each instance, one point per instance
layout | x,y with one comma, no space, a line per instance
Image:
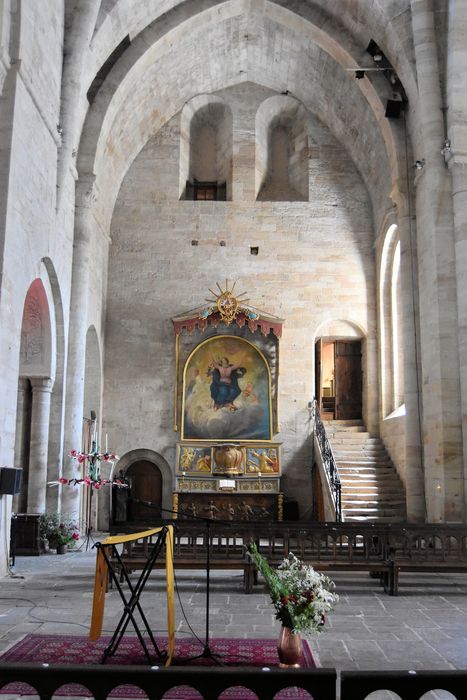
227,304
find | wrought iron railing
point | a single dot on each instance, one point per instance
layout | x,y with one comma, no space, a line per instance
329,463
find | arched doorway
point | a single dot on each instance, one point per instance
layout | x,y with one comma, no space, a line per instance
339,382
145,500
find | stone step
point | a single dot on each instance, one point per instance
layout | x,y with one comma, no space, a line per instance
357,443
373,518
353,430
375,512
360,464
360,458
354,486
372,500
370,491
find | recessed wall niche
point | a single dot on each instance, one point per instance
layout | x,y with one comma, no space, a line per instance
206,149
281,150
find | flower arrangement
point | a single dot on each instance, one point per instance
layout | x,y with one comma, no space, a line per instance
300,595
91,463
58,530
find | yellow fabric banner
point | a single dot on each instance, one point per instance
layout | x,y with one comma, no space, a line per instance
102,575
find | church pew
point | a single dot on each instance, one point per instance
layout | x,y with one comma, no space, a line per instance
383,550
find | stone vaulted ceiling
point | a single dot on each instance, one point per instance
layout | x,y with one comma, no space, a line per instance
181,49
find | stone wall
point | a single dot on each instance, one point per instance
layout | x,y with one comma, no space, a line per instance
315,263
31,246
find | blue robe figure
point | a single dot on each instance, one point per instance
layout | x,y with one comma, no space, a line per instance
224,384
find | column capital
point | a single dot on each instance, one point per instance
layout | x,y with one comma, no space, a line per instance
23,383
455,157
44,384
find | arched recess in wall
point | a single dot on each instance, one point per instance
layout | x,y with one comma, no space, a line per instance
340,357
35,382
281,150
92,418
145,457
390,318
206,149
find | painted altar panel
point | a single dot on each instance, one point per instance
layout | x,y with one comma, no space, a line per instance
194,459
226,392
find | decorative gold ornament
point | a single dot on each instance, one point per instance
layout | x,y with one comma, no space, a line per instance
227,304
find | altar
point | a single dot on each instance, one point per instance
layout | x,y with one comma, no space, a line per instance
228,466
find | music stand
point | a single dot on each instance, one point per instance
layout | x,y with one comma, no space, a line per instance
133,601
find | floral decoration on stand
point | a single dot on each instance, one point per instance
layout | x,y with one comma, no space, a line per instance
300,595
91,462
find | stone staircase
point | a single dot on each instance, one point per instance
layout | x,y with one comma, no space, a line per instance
371,488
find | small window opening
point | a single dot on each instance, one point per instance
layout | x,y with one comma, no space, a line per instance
206,191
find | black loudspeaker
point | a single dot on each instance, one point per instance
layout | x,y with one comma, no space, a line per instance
10,481
393,109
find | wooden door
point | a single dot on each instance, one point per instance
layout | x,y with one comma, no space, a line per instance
348,379
318,383
146,491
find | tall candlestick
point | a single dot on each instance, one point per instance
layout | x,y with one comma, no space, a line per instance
106,446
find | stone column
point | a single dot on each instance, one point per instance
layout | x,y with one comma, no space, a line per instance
444,478
76,361
414,482
456,158
38,451
19,501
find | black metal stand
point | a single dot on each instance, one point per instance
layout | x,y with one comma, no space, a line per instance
206,653
133,601
88,538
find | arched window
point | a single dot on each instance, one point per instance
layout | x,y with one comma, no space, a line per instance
391,335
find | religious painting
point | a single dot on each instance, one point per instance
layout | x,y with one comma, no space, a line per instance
262,460
226,392
193,459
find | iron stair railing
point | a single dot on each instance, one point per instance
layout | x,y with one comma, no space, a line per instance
328,460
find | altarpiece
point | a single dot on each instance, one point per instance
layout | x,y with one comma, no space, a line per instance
228,465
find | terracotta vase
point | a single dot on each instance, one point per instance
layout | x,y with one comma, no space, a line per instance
289,648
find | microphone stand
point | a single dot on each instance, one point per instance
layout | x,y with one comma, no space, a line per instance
206,653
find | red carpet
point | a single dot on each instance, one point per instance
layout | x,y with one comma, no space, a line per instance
70,649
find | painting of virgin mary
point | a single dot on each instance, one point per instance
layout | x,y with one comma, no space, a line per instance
226,394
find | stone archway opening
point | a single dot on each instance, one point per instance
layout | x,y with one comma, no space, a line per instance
145,493
34,398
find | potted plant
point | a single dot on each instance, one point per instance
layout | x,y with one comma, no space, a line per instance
301,597
60,533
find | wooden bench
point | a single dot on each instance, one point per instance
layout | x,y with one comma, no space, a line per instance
426,549
330,547
227,552
384,550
